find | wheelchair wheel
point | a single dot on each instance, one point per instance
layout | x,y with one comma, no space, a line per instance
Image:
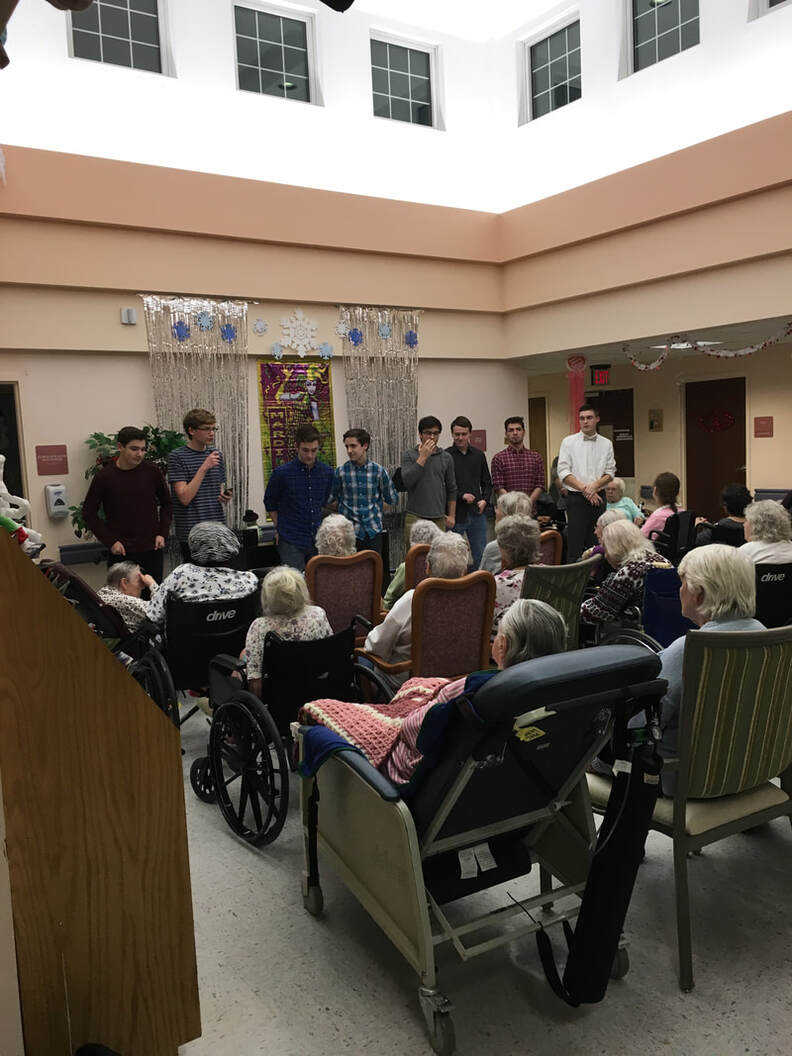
153,675
249,768
631,636
202,781
313,901
621,963
442,1038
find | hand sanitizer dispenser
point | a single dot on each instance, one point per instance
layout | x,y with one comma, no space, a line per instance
55,498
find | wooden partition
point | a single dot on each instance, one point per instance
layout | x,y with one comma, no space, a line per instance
95,833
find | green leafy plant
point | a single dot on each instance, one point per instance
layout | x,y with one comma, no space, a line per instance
159,444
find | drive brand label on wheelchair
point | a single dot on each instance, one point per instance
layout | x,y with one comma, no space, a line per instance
217,615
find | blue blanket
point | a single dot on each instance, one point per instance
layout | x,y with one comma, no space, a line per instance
319,743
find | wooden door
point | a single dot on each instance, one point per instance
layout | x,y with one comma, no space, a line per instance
714,441
615,410
537,430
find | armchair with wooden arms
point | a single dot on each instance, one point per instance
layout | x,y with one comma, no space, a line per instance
346,587
415,565
451,624
551,546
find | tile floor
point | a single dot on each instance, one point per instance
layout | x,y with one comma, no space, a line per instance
274,980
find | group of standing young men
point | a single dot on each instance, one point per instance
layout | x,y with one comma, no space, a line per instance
451,486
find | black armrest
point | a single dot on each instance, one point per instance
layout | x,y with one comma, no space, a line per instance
366,624
363,768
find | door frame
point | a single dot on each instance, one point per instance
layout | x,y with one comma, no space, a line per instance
682,380
14,384
543,395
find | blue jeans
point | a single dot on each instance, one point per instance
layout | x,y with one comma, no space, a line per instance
475,528
294,555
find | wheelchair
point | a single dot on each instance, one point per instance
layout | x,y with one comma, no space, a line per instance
250,751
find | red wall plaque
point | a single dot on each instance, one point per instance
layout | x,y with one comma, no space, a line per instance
763,426
51,460
478,438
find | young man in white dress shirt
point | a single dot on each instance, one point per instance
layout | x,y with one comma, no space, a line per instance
585,465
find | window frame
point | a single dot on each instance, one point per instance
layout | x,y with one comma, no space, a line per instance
297,13
630,69
430,48
545,29
167,64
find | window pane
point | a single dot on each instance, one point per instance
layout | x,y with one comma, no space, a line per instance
86,46
668,45
249,79
541,104
381,105
573,35
668,16
397,57
557,44
271,56
640,7
144,29
115,22
575,89
421,114
272,83
690,34
113,3
645,55
644,29
558,71
294,33
689,9
116,52
247,51
573,61
269,26
149,6
559,96
245,21
400,85
419,90
379,53
145,57
539,54
540,80
379,80
419,63
296,61
400,110
88,19
300,89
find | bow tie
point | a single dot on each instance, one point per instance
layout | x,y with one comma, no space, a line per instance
591,438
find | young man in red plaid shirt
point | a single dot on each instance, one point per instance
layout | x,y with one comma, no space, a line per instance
516,468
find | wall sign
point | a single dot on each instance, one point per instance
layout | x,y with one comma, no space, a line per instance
600,373
656,420
763,426
478,438
51,460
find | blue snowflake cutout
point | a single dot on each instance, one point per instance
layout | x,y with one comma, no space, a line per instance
277,350
325,350
355,336
411,339
204,320
228,332
384,330
181,330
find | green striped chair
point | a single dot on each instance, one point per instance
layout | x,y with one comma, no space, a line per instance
735,737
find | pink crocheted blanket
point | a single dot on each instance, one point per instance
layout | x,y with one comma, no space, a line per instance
385,733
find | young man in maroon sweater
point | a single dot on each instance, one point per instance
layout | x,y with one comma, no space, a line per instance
136,502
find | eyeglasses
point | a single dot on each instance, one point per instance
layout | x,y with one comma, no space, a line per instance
207,429
431,432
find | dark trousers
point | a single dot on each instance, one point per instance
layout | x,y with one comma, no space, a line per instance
149,560
373,542
581,521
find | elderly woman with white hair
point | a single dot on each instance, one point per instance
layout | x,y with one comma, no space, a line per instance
335,536
517,537
629,552
507,506
768,534
617,500
421,532
391,640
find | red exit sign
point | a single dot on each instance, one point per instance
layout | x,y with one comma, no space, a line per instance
600,374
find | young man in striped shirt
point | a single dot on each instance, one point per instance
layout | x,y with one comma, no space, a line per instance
197,476
361,487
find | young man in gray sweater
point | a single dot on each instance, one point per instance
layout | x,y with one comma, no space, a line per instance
427,473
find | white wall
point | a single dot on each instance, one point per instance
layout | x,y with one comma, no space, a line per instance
198,120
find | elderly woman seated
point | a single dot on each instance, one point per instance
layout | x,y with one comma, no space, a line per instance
125,584
392,639
207,576
517,537
733,499
631,555
507,505
421,532
288,613
617,500
768,533
335,536
388,734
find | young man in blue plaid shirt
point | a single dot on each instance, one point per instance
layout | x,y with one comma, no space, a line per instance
360,488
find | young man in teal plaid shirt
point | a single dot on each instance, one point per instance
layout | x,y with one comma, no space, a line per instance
361,487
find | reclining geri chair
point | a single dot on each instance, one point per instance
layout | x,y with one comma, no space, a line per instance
505,789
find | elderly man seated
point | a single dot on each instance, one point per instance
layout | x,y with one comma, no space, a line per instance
392,639
206,577
335,536
125,584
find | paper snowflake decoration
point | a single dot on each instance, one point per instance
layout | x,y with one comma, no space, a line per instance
326,350
228,332
277,350
181,330
355,336
384,330
260,327
411,339
204,321
342,328
299,332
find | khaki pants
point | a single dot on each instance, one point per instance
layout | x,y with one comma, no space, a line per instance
411,518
